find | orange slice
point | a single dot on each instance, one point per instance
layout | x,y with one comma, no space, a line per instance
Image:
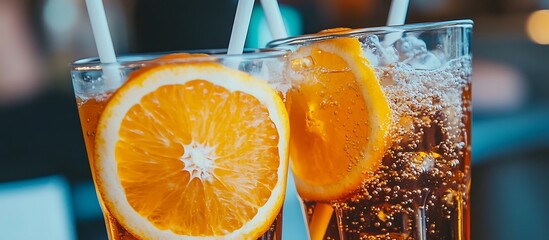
335,30
193,151
339,119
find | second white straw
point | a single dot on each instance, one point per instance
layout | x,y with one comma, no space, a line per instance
397,16
397,13
240,26
103,41
274,19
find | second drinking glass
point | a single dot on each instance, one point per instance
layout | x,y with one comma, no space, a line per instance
380,130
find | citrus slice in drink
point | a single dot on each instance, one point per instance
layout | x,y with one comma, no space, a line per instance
335,30
339,119
193,151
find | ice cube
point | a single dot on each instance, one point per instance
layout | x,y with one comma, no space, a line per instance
377,53
251,67
424,61
424,161
371,49
389,56
413,52
409,47
371,55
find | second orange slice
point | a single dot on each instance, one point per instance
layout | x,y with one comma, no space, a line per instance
339,119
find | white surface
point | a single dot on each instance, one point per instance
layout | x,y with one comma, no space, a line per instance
36,209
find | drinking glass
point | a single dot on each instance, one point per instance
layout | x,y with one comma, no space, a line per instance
204,154
384,155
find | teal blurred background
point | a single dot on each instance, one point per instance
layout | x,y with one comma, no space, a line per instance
45,182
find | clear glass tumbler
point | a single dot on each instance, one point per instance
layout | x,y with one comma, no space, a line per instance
187,146
381,130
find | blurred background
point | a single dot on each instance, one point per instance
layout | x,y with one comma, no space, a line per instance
46,191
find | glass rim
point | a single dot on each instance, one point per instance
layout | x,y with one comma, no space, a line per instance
370,30
131,60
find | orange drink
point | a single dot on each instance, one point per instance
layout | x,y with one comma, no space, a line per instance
187,146
380,130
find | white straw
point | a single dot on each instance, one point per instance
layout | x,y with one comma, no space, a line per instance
397,13
240,26
100,30
103,40
397,16
274,19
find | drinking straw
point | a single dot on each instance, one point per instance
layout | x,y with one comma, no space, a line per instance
274,19
397,16
397,13
103,41
320,220
240,26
